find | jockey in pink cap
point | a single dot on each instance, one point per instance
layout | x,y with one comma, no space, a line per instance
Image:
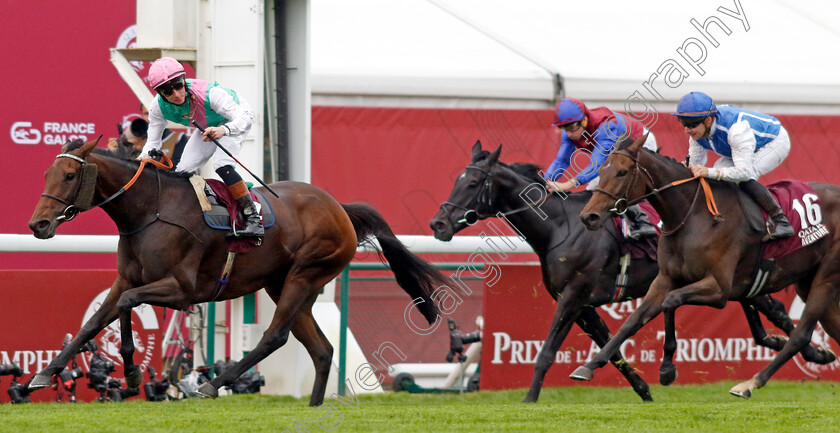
225,116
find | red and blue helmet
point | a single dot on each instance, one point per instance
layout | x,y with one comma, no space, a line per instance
695,104
569,110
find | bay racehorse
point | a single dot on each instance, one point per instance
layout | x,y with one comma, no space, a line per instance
168,257
579,267
709,260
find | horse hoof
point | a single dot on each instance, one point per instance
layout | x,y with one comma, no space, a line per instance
208,391
582,373
819,356
668,376
40,381
743,394
133,377
741,391
529,399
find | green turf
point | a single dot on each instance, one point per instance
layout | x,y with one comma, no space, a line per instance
778,407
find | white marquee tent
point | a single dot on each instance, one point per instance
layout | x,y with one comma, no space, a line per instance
778,56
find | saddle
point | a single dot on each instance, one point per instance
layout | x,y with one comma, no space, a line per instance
220,208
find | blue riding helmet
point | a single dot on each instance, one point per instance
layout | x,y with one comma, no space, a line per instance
569,110
695,104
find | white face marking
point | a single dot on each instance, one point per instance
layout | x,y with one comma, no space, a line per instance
463,175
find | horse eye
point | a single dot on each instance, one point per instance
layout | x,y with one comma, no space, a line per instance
69,176
621,173
473,183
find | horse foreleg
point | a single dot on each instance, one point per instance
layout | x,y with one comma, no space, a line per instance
774,310
306,330
823,293
564,317
668,370
594,326
650,308
106,314
163,292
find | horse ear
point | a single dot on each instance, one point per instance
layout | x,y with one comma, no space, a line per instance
637,145
476,150
87,147
494,157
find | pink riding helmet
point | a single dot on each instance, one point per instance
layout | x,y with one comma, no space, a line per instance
163,70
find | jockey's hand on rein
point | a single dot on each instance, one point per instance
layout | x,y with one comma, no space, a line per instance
156,154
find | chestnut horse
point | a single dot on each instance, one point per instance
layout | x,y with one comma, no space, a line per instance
579,267
706,260
169,257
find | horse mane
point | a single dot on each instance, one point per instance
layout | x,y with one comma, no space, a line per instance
528,170
624,144
525,169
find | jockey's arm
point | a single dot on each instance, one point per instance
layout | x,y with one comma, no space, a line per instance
223,103
604,141
696,153
561,161
157,123
742,143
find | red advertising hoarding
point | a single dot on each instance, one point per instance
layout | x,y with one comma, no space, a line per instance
42,307
712,345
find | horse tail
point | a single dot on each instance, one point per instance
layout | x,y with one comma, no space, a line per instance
416,276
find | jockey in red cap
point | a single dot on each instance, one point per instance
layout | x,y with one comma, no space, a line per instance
596,132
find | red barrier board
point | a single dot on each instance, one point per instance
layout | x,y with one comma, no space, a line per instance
42,306
712,345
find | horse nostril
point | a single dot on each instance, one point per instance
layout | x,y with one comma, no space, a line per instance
436,225
39,225
590,219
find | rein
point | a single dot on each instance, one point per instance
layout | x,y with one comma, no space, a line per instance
82,194
621,203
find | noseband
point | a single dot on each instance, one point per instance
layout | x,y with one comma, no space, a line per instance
472,216
621,203
484,197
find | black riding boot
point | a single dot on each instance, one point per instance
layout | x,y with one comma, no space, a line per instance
253,222
640,225
778,226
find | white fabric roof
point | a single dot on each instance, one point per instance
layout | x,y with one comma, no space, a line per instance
498,53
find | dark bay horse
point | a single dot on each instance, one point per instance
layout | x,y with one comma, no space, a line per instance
704,261
579,267
169,257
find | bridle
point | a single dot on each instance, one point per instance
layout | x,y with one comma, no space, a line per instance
484,198
82,196
621,203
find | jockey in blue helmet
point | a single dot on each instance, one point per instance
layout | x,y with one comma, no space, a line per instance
750,144
595,132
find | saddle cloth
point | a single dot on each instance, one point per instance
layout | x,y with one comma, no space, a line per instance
802,207
642,248
224,209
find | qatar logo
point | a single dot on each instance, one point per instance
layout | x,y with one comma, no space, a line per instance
820,338
143,324
24,133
